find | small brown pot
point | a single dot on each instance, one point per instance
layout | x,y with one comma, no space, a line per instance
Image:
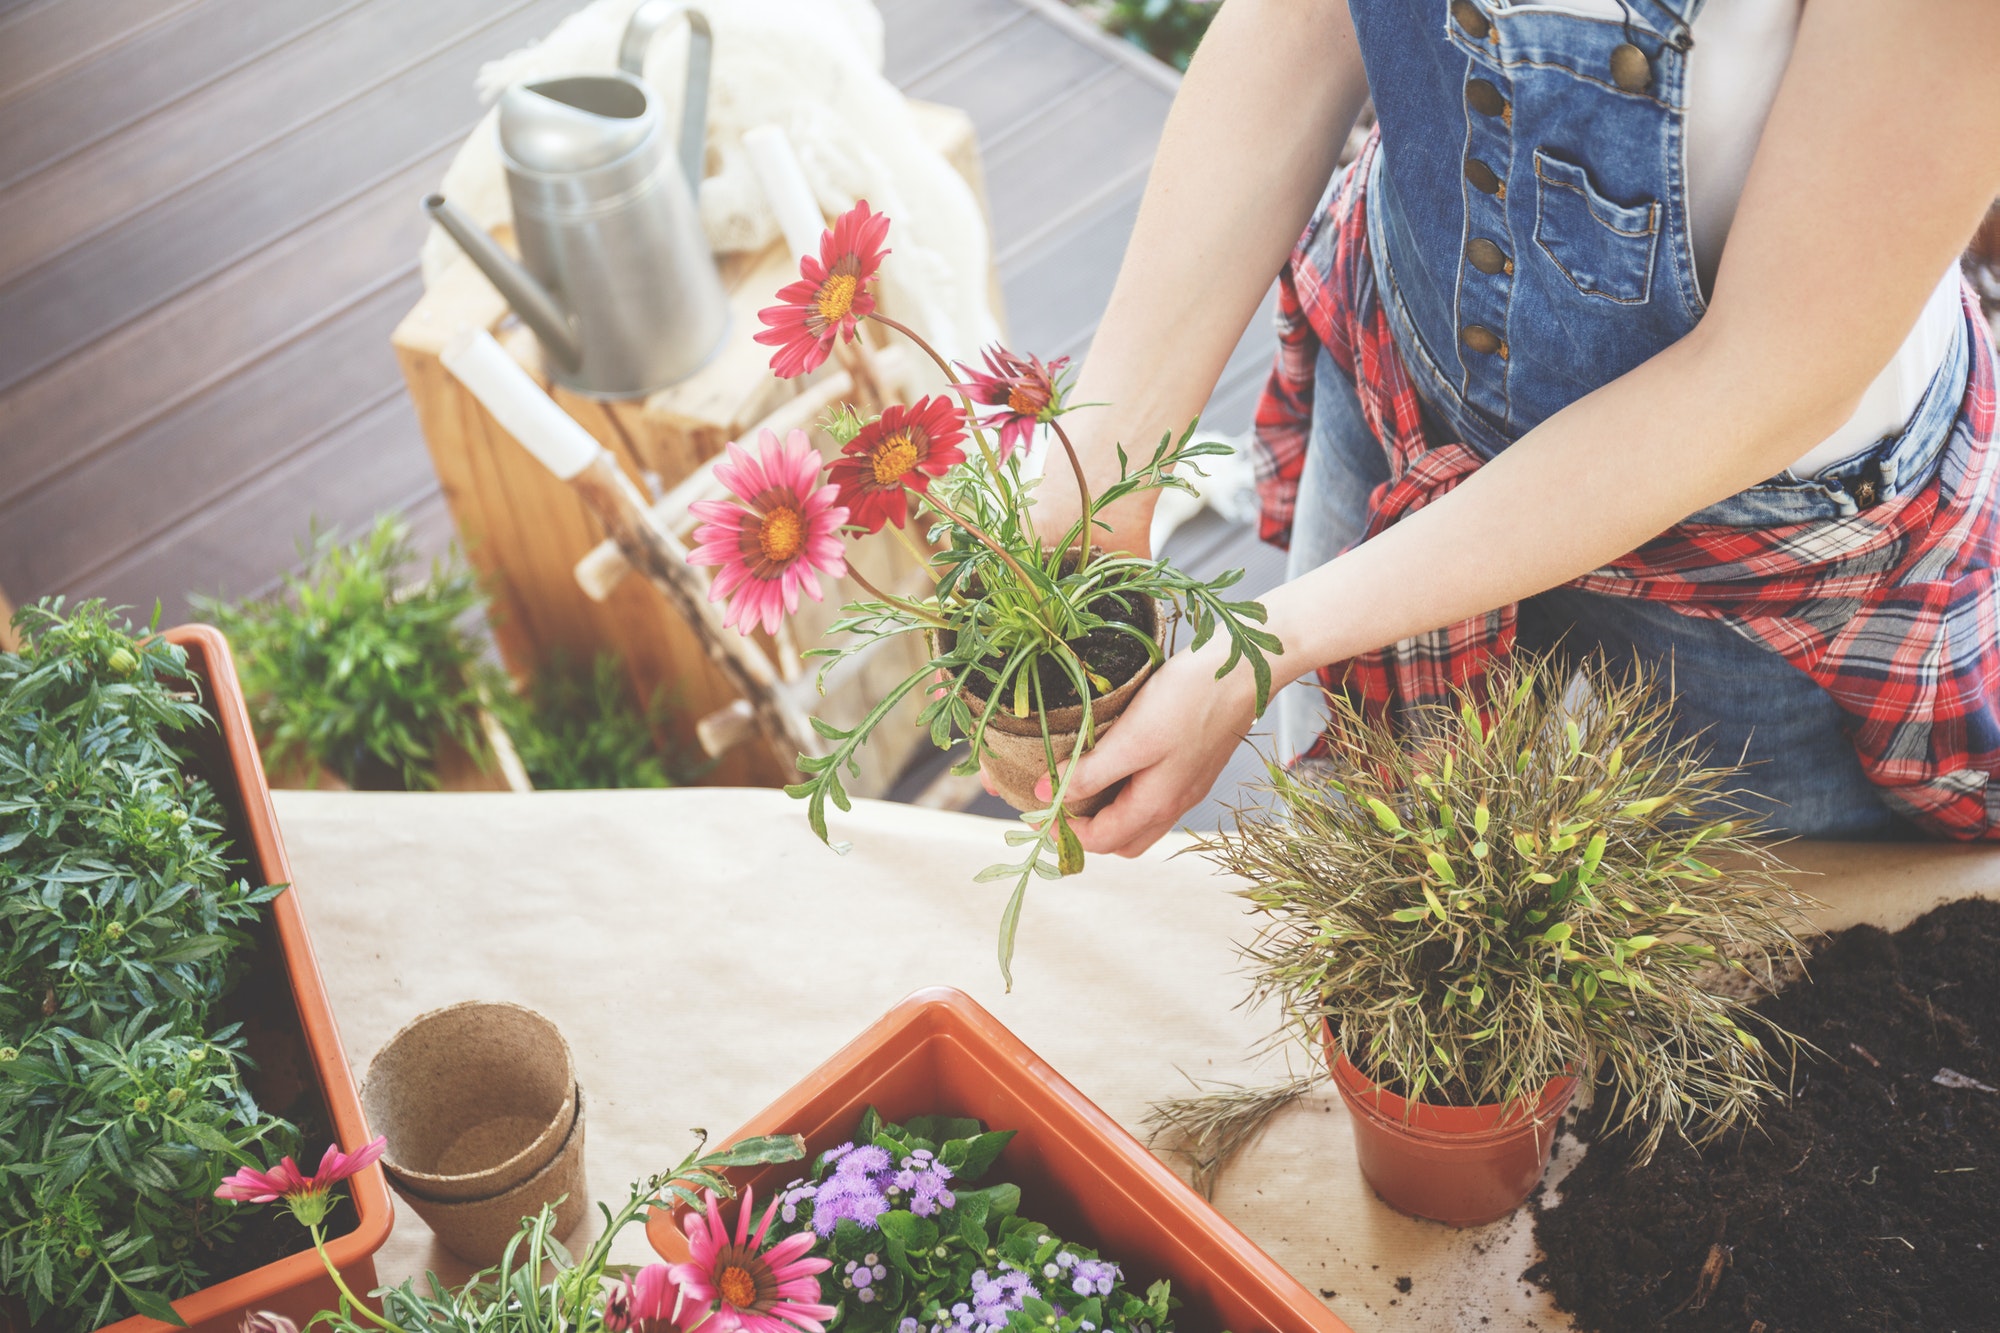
477,1230
1463,1166
474,1098
1013,753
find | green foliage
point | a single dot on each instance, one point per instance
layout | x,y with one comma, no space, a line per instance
353,668
121,1107
578,732
1169,29
1550,887
928,1262
1007,607
538,1287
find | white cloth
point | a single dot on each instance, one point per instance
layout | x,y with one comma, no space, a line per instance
813,68
1741,48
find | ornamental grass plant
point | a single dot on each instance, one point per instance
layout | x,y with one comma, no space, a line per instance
1546,886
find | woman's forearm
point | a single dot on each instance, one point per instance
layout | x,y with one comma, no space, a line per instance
1249,145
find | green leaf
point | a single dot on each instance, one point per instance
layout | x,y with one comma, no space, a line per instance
154,1307
1384,816
754,1152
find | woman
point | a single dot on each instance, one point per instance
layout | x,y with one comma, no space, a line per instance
1520,369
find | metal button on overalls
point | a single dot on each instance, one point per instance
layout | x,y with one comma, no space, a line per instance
1487,257
1470,19
1484,98
1482,339
1482,176
1630,69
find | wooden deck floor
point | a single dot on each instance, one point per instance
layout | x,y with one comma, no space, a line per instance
209,224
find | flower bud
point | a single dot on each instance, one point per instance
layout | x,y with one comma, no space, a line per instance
122,662
267,1321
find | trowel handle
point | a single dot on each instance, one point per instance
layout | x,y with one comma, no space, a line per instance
647,21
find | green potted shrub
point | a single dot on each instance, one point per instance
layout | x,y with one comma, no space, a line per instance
161,1014
358,671
1532,893
578,730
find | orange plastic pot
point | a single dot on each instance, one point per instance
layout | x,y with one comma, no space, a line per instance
938,1052
1464,1166
290,1026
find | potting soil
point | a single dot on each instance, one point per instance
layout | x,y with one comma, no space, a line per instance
1869,1201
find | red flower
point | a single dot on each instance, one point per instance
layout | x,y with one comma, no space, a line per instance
1023,388
830,296
898,452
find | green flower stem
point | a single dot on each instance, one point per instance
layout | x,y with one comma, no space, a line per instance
319,1247
971,417
1082,490
908,608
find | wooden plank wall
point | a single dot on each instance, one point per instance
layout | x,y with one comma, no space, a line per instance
209,224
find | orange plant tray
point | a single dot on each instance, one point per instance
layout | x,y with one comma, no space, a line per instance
296,1286
940,1053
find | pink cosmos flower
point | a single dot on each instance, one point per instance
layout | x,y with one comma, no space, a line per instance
831,294
777,543
307,1195
1025,390
754,1290
645,1300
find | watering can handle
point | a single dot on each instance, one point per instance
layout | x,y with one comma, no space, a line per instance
647,21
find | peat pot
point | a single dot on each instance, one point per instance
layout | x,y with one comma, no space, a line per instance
484,1117
1464,1166
1015,759
939,1053
299,1069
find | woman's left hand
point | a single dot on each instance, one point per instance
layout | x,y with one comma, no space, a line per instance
1172,743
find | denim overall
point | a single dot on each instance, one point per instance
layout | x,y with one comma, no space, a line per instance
1529,226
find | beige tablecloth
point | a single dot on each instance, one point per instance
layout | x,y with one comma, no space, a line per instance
702,951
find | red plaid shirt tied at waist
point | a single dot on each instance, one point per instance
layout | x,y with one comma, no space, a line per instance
1895,610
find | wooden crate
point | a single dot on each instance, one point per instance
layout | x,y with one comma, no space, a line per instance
525,531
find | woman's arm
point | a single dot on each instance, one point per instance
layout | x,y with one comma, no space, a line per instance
1250,144
1877,162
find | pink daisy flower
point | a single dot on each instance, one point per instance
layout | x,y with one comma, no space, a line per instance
1025,391
777,543
644,1301
753,1290
308,1196
831,294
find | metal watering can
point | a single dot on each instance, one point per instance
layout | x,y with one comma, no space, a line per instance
616,278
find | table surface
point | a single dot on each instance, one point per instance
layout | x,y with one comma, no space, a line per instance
702,951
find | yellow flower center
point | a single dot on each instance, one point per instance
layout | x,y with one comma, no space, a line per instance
782,534
836,297
893,457
738,1288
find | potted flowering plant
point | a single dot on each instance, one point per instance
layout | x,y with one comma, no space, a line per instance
1036,646
538,1287
1526,897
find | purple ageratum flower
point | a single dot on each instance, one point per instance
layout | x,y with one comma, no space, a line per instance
858,1199
996,1298
867,1160
794,1194
923,1179
1093,1277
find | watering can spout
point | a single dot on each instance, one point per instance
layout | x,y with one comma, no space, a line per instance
538,309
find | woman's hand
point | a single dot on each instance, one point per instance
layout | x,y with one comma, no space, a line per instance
1169,746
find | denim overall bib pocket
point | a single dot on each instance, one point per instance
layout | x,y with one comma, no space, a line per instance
1527,218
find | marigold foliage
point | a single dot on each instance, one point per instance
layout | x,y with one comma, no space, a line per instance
121,919
1550,887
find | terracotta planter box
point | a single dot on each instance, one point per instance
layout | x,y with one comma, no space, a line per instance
290,1028
940,1053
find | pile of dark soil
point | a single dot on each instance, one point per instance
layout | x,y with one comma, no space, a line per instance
1870,1202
